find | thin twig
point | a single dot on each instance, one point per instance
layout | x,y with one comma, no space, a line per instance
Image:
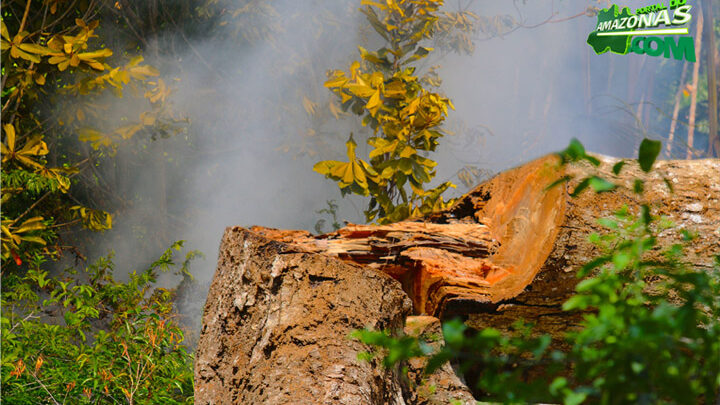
25,15
44,387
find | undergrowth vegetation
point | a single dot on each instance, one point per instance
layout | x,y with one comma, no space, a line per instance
85,337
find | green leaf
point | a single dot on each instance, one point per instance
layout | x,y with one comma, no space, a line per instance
580,187
601,185
621,260
645,214
638,186
649,151
561,180
575,398
608,223
617,167
574,151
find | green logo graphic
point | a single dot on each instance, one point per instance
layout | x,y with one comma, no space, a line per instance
621,31
619,44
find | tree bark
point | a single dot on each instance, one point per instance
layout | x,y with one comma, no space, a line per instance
713,138
694,89
276,326
676,110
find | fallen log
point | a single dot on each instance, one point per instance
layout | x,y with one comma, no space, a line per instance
509,248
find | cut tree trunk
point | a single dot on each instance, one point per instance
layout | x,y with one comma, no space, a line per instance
282,303
276,331
276,325
509,248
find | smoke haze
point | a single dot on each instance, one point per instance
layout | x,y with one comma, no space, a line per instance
248,152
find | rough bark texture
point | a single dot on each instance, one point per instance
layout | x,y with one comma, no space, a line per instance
443,386
276,326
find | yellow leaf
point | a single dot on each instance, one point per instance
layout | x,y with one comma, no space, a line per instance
373,105
55,43
4,31
89,135
102,53
34,239
376,79
135,60
35,146
336,82
6,231
10,136
368,169
338,170
373,3
394,88
360,178
32,48
350,144
128,131
56,59
96,65
325,166
16,53
353,69
407,152
387,173
382,147
361,90
32,224
348,176
141,72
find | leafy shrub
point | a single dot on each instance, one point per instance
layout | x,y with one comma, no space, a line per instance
405,116
85,337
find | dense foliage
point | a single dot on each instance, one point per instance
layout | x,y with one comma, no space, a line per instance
651,328
76,335
405,116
